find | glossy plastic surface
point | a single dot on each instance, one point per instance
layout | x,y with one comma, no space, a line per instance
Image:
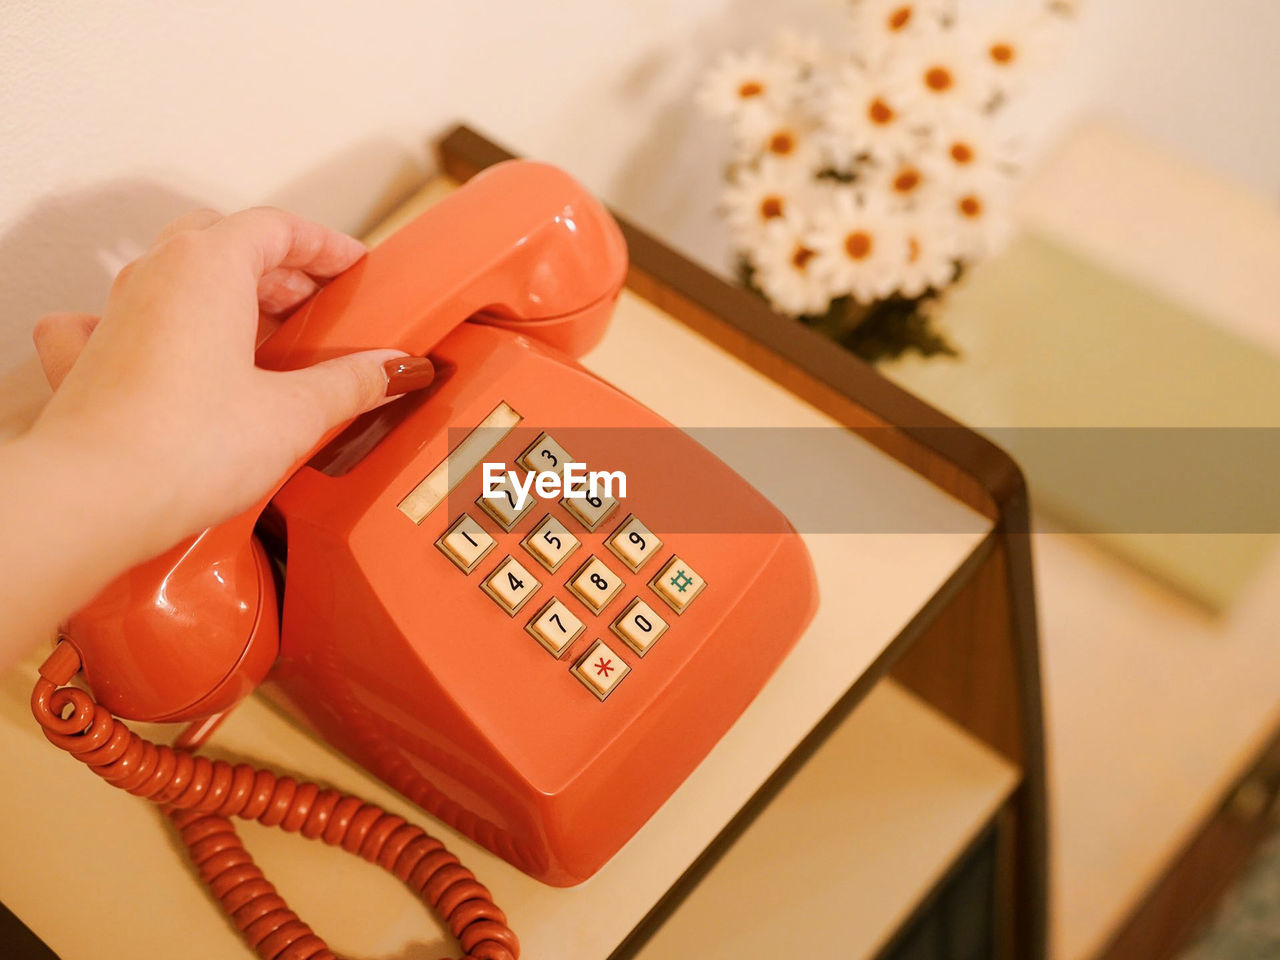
400,659
523,246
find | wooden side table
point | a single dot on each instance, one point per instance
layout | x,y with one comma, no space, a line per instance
902,732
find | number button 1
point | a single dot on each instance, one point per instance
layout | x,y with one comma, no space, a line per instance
634,543
465,543
595,584
511,585
550,543
555,627
544,455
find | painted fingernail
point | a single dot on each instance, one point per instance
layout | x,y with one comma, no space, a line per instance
405,374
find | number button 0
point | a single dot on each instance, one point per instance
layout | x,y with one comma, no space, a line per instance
550,543
634,543
544,455
595,584
639,626
465,543
502,506
555,627
511,585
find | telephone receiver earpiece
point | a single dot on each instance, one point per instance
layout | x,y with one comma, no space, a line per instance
521,246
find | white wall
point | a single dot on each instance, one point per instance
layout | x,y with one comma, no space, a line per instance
117,116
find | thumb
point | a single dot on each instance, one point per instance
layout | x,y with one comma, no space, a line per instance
345,387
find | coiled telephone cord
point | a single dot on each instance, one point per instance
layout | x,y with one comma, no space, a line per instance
200,795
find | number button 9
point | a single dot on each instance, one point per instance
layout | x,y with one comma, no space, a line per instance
633,543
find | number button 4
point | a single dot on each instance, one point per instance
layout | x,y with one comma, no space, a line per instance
510,586
550,543
545,454
595,584
555,627
633,543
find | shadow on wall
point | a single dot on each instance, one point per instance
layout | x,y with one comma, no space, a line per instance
65,250
671,183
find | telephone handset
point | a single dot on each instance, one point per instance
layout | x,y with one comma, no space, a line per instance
539,672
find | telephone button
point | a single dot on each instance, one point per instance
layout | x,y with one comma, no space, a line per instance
550,543
465,543
595,584
639,626
511,585
544,455
502,505
633,543
677,584
555,627
589,510
600,669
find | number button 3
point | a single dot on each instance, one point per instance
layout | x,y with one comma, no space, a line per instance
545,454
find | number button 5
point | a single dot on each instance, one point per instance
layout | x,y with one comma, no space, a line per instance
550,543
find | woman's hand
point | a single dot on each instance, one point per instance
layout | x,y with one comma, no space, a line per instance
160,424
163,389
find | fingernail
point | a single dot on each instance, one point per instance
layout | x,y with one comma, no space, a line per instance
408,373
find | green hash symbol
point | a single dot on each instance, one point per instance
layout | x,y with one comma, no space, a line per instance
681,581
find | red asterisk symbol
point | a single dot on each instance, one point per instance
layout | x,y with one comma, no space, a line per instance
603,667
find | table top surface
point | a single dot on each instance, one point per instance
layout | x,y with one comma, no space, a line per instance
58,823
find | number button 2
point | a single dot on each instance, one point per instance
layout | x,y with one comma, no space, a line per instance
550,543
502,505
595,584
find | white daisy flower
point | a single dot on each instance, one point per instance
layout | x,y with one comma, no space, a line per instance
880,25
858,245
783,264
932,249
903,183
1011,44
970,152
981,223
759,195
867,116
742,83
937,76
790,140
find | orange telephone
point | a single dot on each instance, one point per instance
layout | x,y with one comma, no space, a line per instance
539,671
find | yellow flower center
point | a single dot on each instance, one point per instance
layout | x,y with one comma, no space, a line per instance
801,257
961,152
752,88
908,179
782,143
939,79
913,249
858,245
879,112
1002,53
771,207
899,18
970,206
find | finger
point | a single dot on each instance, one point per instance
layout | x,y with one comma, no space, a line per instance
268,238
282,289
195,220
59,338
345,387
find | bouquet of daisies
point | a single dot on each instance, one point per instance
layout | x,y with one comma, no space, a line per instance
867,176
